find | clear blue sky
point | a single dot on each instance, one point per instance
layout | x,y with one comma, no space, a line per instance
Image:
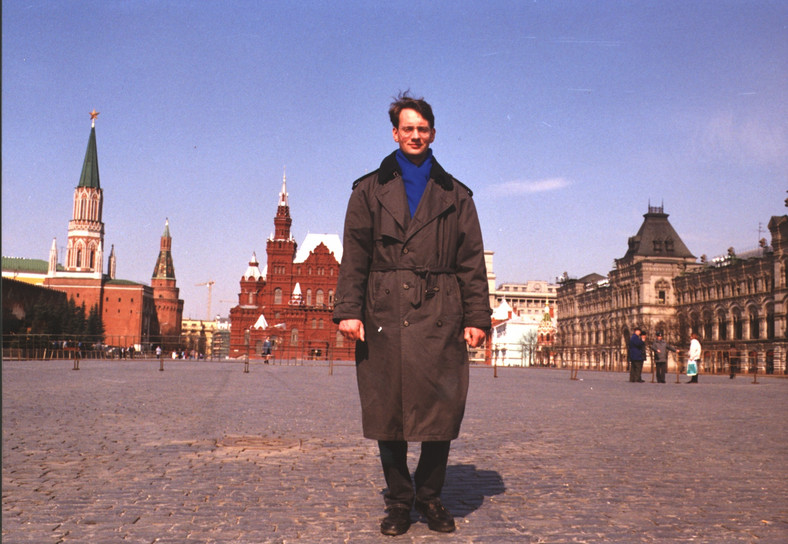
566,118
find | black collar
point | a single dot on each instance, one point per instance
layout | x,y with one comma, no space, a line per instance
389,169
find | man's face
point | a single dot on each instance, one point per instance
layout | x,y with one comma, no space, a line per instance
413,135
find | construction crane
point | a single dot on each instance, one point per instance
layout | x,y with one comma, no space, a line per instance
209,283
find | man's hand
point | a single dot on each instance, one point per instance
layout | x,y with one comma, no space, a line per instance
352,329
475,337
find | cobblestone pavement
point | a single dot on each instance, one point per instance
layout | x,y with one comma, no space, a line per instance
202,452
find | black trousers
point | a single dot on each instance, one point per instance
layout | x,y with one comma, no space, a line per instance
662,369
635,369
430,472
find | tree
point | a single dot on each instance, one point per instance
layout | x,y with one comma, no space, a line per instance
528,343
95,325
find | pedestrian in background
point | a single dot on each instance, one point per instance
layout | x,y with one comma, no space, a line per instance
637,354
412,291
693,365
659,354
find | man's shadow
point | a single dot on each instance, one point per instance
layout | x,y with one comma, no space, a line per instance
466,487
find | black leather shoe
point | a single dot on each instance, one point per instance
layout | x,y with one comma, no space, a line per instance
396,522
438,518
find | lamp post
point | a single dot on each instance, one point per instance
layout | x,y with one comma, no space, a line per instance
246,357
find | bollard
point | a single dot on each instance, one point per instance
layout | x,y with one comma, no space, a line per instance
755,375
246,364
161,363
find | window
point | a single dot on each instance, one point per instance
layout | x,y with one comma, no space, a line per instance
278,295
319,297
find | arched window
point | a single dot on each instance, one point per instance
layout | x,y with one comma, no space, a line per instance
309,297
278,295
294,337
319,298
755,326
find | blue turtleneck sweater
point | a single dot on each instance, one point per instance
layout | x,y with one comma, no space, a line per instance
415,178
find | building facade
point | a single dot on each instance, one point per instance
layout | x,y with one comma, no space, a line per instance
660,286
291,301
597,314
737,306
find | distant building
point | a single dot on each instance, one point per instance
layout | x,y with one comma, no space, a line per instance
527,299
521,339
292,300
131,312
736,305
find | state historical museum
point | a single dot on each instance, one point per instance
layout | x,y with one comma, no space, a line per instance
291,301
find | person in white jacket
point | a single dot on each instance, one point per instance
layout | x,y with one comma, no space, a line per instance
694,355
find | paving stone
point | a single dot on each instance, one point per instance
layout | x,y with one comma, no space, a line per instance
205,453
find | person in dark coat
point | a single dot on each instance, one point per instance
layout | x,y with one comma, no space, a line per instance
637,354
659,351
412,291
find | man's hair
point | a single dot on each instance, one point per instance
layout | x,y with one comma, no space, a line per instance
404,101
638,329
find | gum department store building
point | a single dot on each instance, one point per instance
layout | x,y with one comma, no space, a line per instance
736,303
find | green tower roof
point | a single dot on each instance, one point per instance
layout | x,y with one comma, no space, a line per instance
90,169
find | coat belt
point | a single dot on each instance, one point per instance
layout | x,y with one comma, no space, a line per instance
427,273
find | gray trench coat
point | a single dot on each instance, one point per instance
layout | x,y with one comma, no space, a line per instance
415,283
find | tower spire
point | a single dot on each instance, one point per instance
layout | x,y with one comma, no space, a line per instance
52,269
90,169
283,193
164,268
86,228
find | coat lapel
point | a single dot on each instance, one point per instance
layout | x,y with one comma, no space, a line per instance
434,202
394,204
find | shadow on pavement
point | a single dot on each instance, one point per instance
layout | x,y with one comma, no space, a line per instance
466,487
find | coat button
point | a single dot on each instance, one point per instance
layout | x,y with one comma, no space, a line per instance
405,323
405,251
405,286
439,323
388,291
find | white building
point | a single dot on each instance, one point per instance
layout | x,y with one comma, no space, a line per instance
514,336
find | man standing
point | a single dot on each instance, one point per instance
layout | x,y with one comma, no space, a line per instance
637,354
412,290
660,350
